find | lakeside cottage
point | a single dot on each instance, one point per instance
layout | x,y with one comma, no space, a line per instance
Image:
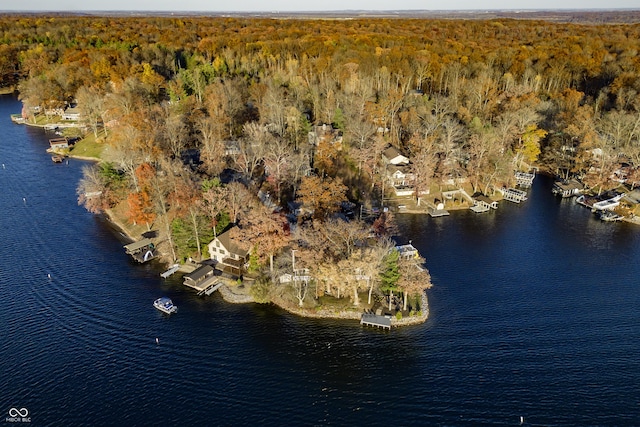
71,114
231,258
398,172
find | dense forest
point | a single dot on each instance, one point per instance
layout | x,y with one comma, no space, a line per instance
278,126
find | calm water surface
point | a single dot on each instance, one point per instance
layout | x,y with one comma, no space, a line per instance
534,313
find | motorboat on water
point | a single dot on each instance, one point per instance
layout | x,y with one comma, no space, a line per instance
165,305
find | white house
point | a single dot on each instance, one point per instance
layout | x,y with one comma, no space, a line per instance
392,156
71,113
398,172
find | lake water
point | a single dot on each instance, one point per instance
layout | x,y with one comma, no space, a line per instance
534,313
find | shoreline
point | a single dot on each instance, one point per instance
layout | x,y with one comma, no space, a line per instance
233,294
233,297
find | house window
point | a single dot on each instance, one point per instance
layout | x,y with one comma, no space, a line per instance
222,251
217,244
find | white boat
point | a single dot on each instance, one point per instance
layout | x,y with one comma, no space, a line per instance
165,305
170,271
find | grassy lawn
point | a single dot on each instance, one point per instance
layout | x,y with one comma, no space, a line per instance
119,216
88,147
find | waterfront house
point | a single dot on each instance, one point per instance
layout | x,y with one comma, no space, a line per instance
398,172
230,256
72,114
407,251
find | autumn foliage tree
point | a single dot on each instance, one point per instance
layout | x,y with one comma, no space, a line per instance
321,196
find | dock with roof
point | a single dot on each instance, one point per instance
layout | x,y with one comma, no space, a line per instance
142,250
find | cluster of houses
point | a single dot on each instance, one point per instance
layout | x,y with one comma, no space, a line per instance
400,178
68,113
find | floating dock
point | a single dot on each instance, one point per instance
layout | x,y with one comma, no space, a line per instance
435,213
479,208
375,321
170,271
211,288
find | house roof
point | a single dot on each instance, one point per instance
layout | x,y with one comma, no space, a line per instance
132,247
391,152
570,185
59,141
227,241
72,110
483,198
391,169
199,272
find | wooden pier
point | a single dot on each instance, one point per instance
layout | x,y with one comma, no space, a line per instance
375,321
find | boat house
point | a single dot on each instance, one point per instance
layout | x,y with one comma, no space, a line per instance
567,188
514,195
482,203
200,278
57,144
142,250
407,251
524,179
71,114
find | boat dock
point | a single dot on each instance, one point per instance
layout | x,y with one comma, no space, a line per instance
142,250
435,213
513,195
375,320
211,288
170,271
524,179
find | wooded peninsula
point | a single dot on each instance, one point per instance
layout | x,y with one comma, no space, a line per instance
274,147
